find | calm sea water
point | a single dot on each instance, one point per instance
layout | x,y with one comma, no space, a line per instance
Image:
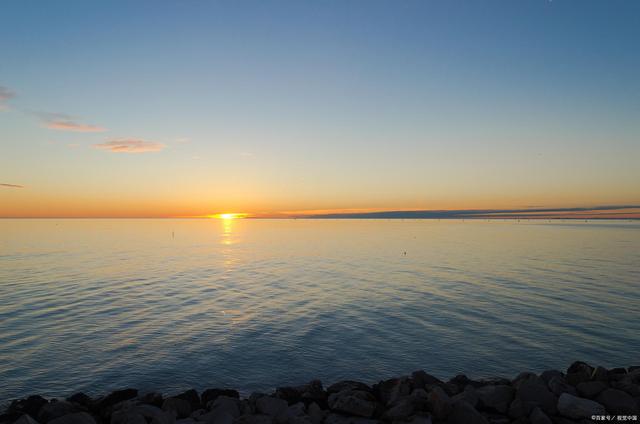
168,305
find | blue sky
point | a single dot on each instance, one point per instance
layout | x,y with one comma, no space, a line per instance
270,106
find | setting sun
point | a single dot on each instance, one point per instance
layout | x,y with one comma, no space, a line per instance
230,215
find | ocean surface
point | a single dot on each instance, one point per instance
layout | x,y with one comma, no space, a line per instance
167,305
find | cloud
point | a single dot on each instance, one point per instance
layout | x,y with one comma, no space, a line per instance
5,96
62,122
130,145
11,185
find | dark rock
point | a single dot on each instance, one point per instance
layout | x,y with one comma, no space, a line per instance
390,391
579,372
633,368
463,413
307,393
439,403
532,392
491,381
421,379
618,402
254,419
353,402
192,397
348,385
577,408
469,394
316,414
549,374
211,394
578,366
271,406
420,399
333,418
25,419
30,406
521,420
539,417
591,389
600,374
56,409
627,385
400,411
226,404
116,397
80,398
497,398
181,408
75,418
617,371
152,398
558,386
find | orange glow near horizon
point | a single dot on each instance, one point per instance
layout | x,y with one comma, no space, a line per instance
229,216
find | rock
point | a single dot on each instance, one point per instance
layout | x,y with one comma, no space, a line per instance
392,390
56,409
618,402
439,403
75,418
420,419
191,421
316,414
549,374
558,386
333,418
463,413
29,406
600,374
154,414
271,406
226,404
211,394
80,398
469,394
539,417
152,398
216,417
579,372
116,397
181,408
497,398
25,419
576,408
254,419
532,392
353,402
192,397
401,411
627,386
421,379
590,389
307,393
127,417
348,385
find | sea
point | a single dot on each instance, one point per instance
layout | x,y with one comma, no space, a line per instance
166,305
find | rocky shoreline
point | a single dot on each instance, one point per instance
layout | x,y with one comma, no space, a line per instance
581,394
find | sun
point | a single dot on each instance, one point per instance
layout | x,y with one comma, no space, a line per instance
227,216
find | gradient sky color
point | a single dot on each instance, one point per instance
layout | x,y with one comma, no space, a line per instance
197,107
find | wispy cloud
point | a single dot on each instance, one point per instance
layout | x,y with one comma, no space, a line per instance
5,96
11,185
63,122
130,145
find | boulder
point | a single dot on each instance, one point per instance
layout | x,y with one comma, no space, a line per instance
558,386
618,402
25,419
469,394
152,398
600,374
75,418
577,408
192,397
116,397
211,394
421,379
539,417
392,390
627,385
271,406
348,385
56,409
532,392
439,403
463,413
401,411
579,372
29,406
316,414
549,374
254,419
590,389
353,402
227,404
80,398
181,408
497,398
334,418
154,414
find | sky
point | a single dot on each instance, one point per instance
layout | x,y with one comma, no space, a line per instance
271,108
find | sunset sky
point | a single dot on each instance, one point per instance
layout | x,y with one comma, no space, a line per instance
198,107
